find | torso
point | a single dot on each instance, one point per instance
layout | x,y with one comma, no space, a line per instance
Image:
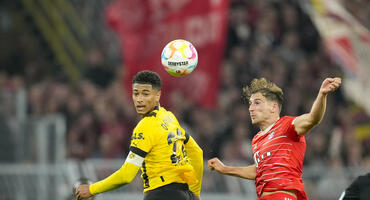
160,135
278,153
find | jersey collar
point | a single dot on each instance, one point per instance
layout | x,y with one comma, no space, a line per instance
268,128
153,112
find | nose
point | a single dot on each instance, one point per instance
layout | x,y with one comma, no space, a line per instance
251,108
139,98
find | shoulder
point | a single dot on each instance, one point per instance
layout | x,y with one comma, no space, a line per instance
287,124
153,119
288,118
162,111
165,115
147,123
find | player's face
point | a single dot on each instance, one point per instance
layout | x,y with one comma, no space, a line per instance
145,97
260,108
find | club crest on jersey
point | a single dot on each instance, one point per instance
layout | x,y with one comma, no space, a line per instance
271,135
131,155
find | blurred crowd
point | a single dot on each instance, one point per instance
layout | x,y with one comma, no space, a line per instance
266,38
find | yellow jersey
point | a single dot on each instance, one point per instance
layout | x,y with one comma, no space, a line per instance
163,143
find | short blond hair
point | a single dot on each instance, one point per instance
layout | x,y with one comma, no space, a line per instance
267,88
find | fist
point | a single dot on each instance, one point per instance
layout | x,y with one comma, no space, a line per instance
216,164
83,192
330,85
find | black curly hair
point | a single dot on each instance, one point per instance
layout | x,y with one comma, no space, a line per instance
148,77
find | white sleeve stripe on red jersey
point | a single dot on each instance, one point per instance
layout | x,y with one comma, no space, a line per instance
280,164
271,157
294,120
274,173
277,178
273,168
277,157
280,150
271,188
274,139
274,145
281,154
277,126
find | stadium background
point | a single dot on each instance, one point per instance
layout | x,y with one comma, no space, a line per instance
64,113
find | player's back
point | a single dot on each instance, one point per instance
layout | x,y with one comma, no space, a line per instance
160,135
279,154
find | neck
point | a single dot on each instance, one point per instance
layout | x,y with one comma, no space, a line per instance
264,125
148,113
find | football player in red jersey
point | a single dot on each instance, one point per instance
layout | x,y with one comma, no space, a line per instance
279,147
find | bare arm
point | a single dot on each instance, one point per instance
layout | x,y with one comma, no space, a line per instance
248,172
305,122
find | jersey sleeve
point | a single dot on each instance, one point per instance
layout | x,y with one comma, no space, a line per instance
291,128
119,178
142,138
195,155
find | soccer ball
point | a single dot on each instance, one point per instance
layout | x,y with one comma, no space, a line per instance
179,58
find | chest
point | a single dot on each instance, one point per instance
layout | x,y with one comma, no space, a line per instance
276,137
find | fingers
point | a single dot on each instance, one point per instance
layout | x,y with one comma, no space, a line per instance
212,163
332,80
213,160
336,83
78,194
331,84
215,164
337,79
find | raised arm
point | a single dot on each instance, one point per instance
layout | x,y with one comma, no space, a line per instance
248,172
305,122
195,155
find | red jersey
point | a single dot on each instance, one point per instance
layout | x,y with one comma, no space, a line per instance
278,153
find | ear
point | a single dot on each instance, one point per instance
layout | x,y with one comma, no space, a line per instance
158,96
275,108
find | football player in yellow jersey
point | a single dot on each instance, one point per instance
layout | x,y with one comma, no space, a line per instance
171,161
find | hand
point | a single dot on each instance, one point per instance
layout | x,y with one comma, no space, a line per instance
197,197
83,192
216,164
330,85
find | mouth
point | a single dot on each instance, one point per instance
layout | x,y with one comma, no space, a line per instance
140,107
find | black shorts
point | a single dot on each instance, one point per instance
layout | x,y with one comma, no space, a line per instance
172,191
